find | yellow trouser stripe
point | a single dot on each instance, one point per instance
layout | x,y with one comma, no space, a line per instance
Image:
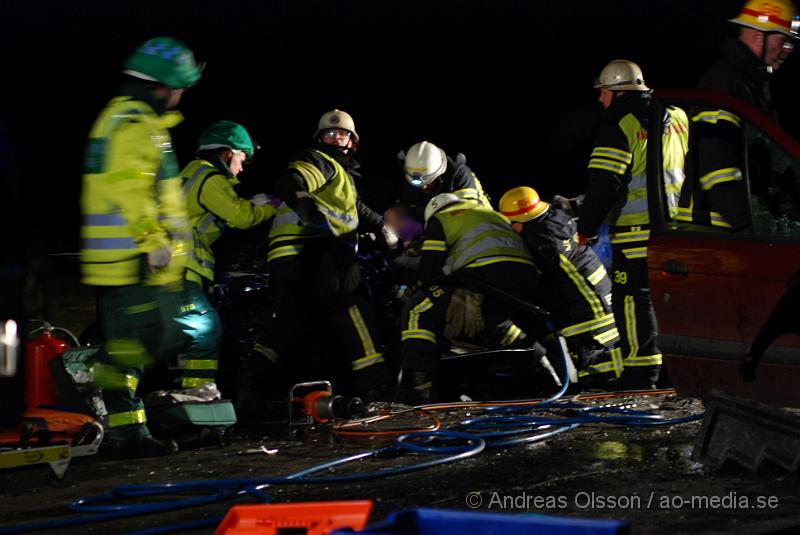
630,326
361,327
418,334
198,364
194,382
651,360
126,418
580,283
586,326
512,333
635,252
144,307
605,337
369,360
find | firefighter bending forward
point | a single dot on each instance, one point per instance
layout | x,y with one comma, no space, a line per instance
617,192
321,302
135,231
580,289
461,237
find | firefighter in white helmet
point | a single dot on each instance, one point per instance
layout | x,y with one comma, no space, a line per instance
715,193
462,239
617,194
322,305
429,171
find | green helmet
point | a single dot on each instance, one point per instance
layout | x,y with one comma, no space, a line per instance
165,60
227,134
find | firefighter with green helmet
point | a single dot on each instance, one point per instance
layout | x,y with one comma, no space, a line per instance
135,232
617,194
212,205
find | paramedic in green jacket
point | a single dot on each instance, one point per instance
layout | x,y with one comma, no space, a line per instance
135,232
212,205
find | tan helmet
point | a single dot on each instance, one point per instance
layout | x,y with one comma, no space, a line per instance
621,75
769,16
337,119
424,163
440,201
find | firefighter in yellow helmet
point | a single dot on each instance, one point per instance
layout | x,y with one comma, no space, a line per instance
135,232
462,238
575,287
715,193
617,194
322,304
212,205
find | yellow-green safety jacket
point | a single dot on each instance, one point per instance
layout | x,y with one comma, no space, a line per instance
334,194
212,204
131,201
617,189
470,236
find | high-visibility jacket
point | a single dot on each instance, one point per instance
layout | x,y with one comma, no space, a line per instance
212,204
333,192
617,189
131,201
467,236
715,193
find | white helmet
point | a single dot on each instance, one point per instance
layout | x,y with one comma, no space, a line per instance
621,75
425,162
337,119
439,202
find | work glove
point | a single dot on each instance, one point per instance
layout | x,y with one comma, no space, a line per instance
571,206
260,199
389,237
160,258
464,316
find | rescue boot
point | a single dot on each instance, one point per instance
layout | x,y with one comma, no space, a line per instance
415,388
145,446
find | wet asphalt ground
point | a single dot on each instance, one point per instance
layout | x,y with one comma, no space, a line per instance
645,476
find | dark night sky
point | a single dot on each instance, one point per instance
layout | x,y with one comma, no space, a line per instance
506,82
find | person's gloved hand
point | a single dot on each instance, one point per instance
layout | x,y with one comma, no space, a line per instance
390,237
585,241
464,316
259,199
571,206
160,258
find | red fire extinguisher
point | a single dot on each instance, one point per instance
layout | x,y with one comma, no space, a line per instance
40,387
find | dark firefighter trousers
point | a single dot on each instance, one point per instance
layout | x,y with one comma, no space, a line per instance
314,323
633,307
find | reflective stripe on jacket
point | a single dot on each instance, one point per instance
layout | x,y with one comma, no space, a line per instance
476,236
131,200
335,197
632,163
212,204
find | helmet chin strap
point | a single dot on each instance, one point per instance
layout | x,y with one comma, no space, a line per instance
764,37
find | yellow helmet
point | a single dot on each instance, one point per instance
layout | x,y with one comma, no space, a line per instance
769,16
522,204
337,119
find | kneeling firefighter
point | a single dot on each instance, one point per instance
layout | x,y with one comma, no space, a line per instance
212,205
580,299
461,238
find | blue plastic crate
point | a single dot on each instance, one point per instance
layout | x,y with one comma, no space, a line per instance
438,521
